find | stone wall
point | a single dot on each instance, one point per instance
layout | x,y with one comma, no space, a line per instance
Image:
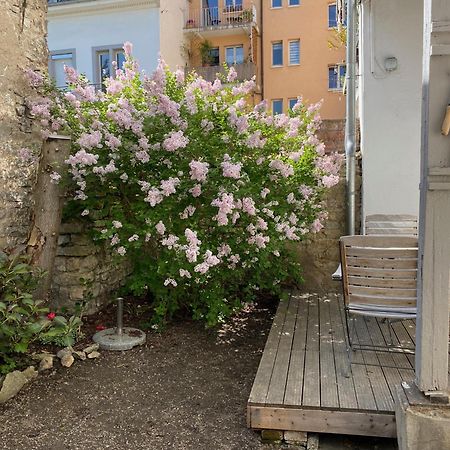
22,46
85,271
319,255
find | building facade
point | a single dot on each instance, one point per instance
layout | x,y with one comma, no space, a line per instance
89,34
302,55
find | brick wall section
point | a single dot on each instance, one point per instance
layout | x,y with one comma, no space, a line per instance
22,45
319,255
84,270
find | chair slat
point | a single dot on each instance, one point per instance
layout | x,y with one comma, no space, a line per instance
390,217
383,282
380,241
381,301
371,230
381,291
381,273
370,252
382,263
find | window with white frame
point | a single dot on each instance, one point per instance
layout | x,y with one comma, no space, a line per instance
336,77
107,59
277,3
292,102
233,5
57,61
332,16
234,55
277,106
294,2
277,53
294,52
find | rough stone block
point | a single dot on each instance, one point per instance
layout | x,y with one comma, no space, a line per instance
71,228
296,437
271,436
79,250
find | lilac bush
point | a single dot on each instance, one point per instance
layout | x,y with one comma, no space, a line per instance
200,190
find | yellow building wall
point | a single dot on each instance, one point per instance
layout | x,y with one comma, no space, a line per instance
309,23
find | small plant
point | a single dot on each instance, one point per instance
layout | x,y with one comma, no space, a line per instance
23,319
205,48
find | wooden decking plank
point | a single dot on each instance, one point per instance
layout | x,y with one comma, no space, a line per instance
323,421
263,375
380,388
311,380
344,377
401,359
328,385
294,384
277,385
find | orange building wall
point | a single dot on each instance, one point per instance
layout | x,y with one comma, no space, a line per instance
309,23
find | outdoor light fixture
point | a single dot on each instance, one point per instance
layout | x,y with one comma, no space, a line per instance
120,337
390,64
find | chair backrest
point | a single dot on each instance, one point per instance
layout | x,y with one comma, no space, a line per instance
403,224
380,271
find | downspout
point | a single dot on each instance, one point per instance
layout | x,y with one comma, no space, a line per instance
350,116
261,45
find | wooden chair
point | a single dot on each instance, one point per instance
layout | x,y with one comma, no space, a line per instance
382,224
379,275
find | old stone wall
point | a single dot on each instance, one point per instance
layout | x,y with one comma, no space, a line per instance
22,46
85,271
319,255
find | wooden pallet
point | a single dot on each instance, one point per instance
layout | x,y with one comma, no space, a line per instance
305,381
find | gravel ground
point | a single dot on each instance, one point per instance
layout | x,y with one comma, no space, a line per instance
185,389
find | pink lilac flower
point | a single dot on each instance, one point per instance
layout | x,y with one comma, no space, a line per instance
170,241
154,196
231,170
225,203
196,191
116,224
82,158
330,180
264,192
199,170
179,76
188,212
170,281
175,140
306,191
185,273
285,170
255,140
133,238
121,251
115,239
160,228
316,226
290,198
168,186
85,212
248,206
128,48
90,140
193,247
232,75
223,250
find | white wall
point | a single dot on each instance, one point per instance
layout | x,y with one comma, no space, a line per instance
83,31
390,105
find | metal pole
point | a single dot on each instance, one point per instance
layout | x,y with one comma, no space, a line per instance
350,122
119,328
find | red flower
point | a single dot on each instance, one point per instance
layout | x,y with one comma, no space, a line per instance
100,327
51,315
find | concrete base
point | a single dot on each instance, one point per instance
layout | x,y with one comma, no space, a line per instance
109,340
421,425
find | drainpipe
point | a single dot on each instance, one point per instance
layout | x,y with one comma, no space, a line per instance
350,117
261,45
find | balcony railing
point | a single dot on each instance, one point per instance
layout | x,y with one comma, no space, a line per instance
245,71
217,18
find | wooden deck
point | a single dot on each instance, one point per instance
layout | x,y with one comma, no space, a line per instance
305,381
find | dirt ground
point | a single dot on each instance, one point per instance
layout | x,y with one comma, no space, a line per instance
185,389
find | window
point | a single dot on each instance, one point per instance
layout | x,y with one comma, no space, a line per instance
277,53
57,61
294,52
332,16
336,77
277,3
213,56
277,106
292,102
234,55
294,2
104,67
233,5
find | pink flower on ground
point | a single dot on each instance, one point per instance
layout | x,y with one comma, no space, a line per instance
51,315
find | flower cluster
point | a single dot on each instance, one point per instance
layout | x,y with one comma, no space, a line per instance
199,188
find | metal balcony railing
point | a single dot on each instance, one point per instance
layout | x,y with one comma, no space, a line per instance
214,17
245,71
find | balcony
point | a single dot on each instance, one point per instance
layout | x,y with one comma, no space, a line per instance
219,21
245,71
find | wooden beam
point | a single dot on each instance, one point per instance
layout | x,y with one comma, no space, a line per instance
434,235
322,421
